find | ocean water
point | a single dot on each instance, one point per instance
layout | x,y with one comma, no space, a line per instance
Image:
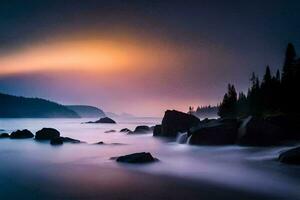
25,164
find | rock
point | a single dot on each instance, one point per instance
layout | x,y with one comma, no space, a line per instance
288,123
47,134
116,143
142,157
141,129
4,135
70,140
174,122
125,130
255,131
157,130
61,140
100,142
21,134
110,131
214,132
291,156
104,120
56,141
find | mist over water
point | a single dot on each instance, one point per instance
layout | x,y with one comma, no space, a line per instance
250,169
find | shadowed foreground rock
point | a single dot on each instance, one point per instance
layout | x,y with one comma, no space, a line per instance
104,120
21,134
135,158
47,134
291,156
256,131
214,132
4,135
61,140
174,122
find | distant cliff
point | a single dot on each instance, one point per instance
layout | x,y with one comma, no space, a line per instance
86,111
22,107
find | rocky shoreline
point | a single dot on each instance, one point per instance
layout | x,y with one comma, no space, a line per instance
249,131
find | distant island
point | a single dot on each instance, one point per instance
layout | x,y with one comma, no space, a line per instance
24,107
86,111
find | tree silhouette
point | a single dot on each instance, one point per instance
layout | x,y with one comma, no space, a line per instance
288,79
273,95
229,104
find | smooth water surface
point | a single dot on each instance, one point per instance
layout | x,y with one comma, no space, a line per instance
250,169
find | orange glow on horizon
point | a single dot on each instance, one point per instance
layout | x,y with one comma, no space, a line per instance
95,55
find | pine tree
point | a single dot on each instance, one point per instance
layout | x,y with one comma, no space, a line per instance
229,104
290,56
288,80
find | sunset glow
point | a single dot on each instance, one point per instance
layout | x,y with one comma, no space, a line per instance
101,56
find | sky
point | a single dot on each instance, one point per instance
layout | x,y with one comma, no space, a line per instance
141,57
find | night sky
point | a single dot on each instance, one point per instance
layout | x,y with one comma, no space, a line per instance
140,57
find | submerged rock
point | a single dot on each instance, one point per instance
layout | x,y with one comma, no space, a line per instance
214,132
21,134
256,131
61,140
125,130
56,141
101,142
291,156
174,122
104,120
4,135
110,131
143,157
47,134
70,140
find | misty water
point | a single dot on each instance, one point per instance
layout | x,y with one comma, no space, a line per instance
28,165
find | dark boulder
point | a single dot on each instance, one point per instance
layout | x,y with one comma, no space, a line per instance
56,141
125,130
174,122
141,129
21,134
214,132
157,130
4,135
142,157
255,131
61,140
290,124
291,156
152,128
47,134
104,120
